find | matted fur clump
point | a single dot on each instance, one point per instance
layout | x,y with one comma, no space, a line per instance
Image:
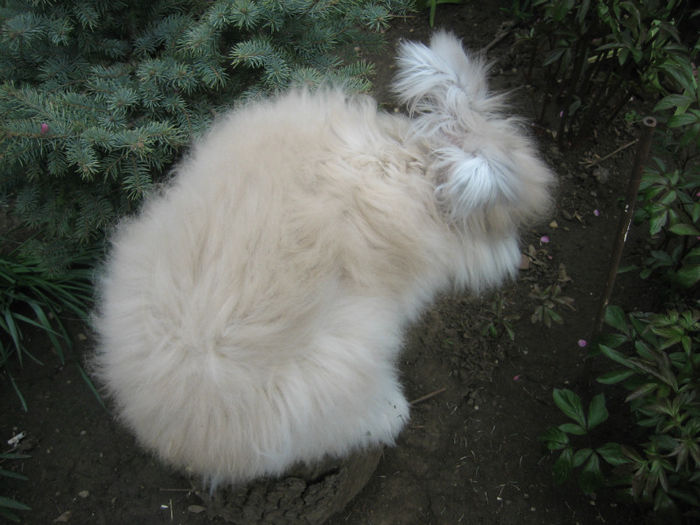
251,315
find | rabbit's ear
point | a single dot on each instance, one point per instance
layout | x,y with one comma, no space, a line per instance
472,182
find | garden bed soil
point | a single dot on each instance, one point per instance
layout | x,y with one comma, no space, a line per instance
471,453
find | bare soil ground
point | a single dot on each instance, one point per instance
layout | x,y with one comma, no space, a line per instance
470,454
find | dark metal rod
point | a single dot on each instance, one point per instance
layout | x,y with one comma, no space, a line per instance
626,218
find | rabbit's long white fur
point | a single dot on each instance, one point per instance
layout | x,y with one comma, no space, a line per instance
251,315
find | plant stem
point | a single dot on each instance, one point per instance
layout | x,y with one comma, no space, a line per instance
626,218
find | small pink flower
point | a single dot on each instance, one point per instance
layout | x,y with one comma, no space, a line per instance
596,213
582,343
516,378
44,128
561,113
544,239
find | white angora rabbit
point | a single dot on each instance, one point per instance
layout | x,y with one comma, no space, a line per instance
250,317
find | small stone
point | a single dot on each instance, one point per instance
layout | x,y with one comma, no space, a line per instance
84,493
524,262
601,174
196,509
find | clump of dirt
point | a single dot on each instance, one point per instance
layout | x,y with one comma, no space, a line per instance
471,452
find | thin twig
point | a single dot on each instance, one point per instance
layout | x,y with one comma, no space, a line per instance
428,396
626,218
503,31
591,163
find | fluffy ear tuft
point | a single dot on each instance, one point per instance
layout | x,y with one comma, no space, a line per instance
483,164
441,78
469,69
472,182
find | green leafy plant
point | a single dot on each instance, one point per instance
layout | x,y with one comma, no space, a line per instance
30,297
495,320
587,458
670,187
8,506
548,301
596,54
659,360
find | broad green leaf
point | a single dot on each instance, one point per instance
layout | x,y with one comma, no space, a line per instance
682,73
582,12
673,102
554,316
688,276
563,466
615,317
597,411
666,442
686,343
570,403
615,356
613,340
555,438
554,56
684,119
581,455
695,215
617,376
627,268
640,328
657,221
668,199
572,428
684,229
649,421
661,258
644,350
561,9
662,501
591,476
612,454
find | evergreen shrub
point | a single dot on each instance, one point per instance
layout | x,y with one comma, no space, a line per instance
99,97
